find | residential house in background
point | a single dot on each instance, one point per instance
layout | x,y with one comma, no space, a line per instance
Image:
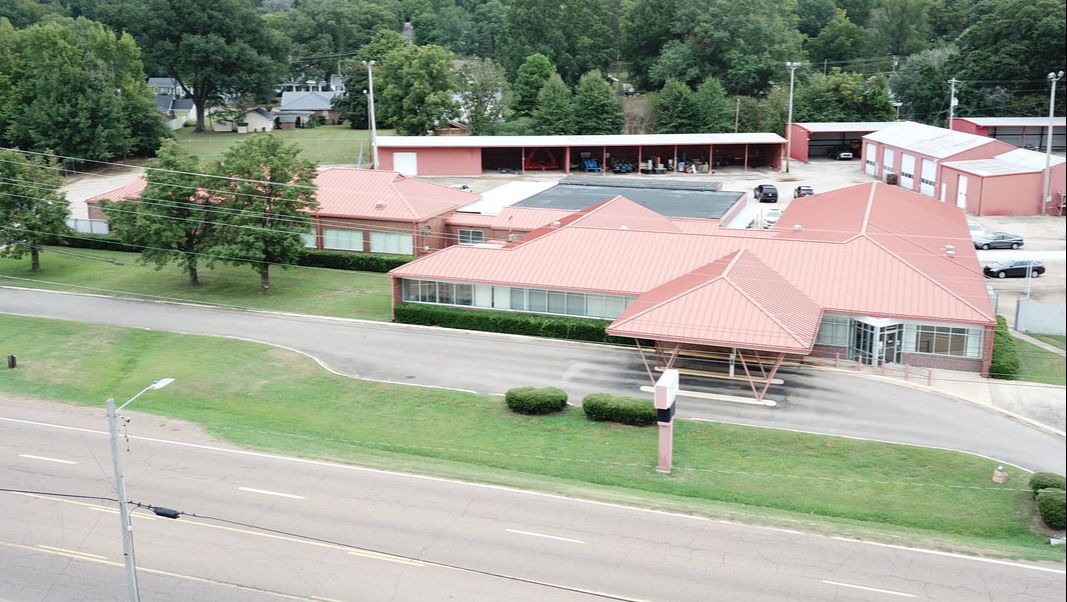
254,120
172,102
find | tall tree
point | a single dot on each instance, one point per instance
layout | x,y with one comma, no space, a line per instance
597,109
714,113
921,85
859,11
574,34
481,94
212,47
77,89
646,25
174,218
843,96
32,209
269,194
840,40
417,89
900,27
674,110
813,15
532,75
555,108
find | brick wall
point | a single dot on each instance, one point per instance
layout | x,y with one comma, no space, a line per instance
947,362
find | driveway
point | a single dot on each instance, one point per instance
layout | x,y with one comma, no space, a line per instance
810,400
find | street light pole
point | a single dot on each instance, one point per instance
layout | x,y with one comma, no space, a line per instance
370,108
952,102
792,66
120,488
1046,192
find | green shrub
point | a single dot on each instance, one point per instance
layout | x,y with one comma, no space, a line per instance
1052,505
557,327
103,242
1046,480
627,410
1005,361
531,400
358,262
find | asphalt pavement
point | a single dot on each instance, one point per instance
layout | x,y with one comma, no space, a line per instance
810,400
270,527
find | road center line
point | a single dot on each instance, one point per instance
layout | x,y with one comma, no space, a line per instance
266,492
385,557
72,552
532,534
56,460
869,589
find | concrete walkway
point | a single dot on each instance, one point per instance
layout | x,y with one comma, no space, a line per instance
1038,343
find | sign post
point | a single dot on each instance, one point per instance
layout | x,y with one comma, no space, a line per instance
666,391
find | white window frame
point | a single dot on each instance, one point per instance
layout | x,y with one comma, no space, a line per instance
470,237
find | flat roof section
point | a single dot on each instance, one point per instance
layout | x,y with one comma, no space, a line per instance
576,141
1015,121
700,200
845,126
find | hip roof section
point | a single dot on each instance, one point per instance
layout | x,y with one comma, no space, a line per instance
928,140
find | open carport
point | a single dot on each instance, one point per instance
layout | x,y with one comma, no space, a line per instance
651,154
817,139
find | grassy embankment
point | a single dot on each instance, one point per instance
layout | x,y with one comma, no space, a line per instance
266,398
325,145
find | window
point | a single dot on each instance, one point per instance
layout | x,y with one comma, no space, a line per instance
346,240
833,330
310,239
515,299
471,237
537,300
942,340
397,243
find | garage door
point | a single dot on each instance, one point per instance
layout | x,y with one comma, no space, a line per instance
887,161
406,163
871,157
926,184
961,192
907,171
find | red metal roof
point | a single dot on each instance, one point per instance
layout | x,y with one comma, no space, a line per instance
387,195
753,307
132,190
878,250
523,219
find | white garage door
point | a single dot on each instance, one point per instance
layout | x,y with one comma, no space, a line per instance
961,192
907,171
926,184
406,163
887,161
871,159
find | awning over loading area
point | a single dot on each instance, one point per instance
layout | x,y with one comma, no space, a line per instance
736,302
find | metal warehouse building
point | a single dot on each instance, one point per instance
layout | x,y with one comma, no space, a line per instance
648,153
818,139
1017,131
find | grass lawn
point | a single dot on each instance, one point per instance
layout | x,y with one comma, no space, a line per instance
339,293
326,145
266,398
1040,366
1052,339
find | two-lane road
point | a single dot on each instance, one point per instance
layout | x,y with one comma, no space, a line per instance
347,533
815,401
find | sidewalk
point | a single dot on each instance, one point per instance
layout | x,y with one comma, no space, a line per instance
1038,343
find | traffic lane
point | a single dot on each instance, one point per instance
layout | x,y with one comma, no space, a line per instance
483,522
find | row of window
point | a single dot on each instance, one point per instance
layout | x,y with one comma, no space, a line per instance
842,331
564,303
397,243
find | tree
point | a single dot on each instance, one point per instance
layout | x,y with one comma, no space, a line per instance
481,94
417,89
574,34
597,110
813,15
532,75
645,27
555,108
900,27
352,105
32,209
76,89
921,85
949,18
211,47
713,111
674,111
174,218
859,11
23,13
268,193
840,40
843,96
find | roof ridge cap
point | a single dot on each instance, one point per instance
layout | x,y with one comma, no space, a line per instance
687,291
403,199
763,308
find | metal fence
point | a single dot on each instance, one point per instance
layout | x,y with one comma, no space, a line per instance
1040,318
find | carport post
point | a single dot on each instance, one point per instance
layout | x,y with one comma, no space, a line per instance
522,160
746,158
711,159
567,160
603,160
733,356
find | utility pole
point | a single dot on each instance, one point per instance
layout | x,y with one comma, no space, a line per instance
1046,188
124,511
737,115
792,66
370,109
952,102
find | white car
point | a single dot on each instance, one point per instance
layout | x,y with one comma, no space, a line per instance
977,231
771,217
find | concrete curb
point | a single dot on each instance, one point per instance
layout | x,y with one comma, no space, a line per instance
1049,430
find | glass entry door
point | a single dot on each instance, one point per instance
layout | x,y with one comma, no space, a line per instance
890,337
873,345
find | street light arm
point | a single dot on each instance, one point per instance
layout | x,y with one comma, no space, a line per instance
159,384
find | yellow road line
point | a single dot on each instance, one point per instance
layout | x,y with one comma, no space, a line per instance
67,552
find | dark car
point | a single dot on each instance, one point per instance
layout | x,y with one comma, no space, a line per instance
800,191
841,153
1016,268
765,193
998,240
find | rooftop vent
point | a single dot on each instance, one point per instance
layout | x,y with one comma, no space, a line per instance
797,227
379,204
950,250
555,224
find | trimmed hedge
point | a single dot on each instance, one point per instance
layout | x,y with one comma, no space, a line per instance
626,410
103,242
1046,480
356,262
557,327
1005,361
1052,504
531,400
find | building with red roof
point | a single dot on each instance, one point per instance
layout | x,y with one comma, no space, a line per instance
361,210
1024,132
872,273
